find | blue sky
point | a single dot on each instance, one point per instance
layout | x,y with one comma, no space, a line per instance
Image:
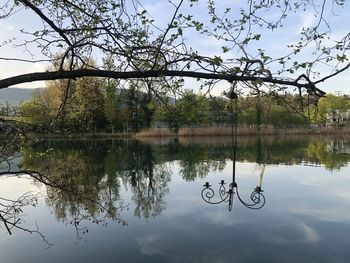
274,42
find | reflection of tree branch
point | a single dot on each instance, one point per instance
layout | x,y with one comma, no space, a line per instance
79,212
10,210
79,196
149,181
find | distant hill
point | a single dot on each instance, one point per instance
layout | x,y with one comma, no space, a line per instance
15,96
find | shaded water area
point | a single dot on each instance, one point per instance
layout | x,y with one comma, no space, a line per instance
140,201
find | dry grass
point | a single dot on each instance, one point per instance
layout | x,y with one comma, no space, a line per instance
205,131
334,130
241,131
157,140
156,132
226,131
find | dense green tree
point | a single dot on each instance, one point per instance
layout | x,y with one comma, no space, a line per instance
193,109
218,110
39,110
112,108
89,103
76,106
132,111
331,106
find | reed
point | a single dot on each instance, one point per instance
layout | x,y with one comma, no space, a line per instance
204,131
241,131
226,131
156,132
334,130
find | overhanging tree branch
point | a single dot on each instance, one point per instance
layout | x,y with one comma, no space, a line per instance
334,74
42,76
47,20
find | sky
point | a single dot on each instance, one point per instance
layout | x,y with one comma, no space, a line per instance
275,42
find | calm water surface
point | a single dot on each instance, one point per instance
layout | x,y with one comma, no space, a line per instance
132,201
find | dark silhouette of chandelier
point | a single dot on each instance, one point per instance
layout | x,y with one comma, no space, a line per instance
226,194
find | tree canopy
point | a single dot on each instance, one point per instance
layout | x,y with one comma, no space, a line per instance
146,45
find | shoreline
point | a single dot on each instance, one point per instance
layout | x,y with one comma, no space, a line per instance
241,132
200,132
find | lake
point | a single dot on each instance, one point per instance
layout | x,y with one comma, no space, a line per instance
142,201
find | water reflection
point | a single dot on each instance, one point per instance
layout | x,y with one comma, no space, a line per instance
257,198
85,180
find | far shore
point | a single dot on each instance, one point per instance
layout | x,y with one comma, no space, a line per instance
241,131
201,132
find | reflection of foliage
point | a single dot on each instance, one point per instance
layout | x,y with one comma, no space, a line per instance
330,154
149,181
196,161
191,170
150,192
84,178
95,171
77,187
284,151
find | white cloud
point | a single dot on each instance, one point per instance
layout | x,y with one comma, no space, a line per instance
5,29
307,20
302,233
149,245
12,68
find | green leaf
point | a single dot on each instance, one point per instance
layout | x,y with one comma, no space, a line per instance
258,82
216,61
225,49
257,37
150,106
341,58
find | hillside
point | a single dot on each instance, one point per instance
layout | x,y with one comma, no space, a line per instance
15,96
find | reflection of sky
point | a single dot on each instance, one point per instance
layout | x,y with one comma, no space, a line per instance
305,219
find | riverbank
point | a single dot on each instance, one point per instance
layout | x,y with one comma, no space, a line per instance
241,131
199,132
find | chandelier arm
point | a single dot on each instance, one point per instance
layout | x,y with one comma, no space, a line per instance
257,197
208,193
